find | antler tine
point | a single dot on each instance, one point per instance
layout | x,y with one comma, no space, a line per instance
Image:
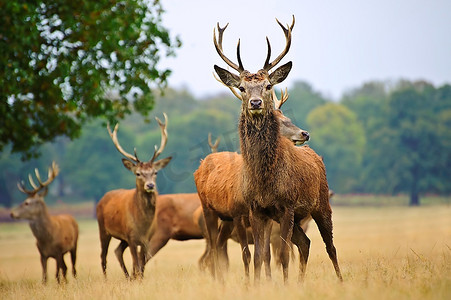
30,179
287,32
52,173
283,98
214,147
235,93
164,136
113,136
21,187
218,46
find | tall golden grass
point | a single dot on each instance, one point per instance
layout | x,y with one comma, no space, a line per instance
384,253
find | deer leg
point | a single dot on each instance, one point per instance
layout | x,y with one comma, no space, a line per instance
276,243
242,237
303,243
120,256
324,222
258,223
60,267
225,230
104,244
211,222
267,258
286,231
143,257
63,268
44,268
73,257
158,241
203,260
136,265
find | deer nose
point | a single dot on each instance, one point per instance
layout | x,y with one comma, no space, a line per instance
306,135
256,103
150,186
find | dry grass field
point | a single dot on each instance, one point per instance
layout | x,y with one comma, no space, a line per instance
384,253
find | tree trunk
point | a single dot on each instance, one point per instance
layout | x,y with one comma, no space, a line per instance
414,199
414,193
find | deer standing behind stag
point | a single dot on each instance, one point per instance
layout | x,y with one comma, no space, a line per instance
278,181
55,235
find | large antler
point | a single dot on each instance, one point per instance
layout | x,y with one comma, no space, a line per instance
164,137
113,136
53,172
287,31
218,46
214,147
283,98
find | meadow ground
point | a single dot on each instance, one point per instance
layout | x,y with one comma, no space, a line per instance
384,252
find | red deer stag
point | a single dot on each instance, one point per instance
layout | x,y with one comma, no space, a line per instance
55,235
127,215
279,181
218,181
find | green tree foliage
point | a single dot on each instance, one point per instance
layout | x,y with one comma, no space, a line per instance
418,115
408,129
65,62
303,99
92,165
339,137
370,104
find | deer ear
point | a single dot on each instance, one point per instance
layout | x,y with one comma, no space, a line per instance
229,79
158,165
280,73
129,165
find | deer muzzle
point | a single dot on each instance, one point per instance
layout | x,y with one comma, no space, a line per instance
255,106
149,187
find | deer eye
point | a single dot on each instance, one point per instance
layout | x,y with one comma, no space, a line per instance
242,89
268,87
138,174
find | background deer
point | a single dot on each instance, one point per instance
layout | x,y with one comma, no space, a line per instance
127,215
218,181
279,181
55,235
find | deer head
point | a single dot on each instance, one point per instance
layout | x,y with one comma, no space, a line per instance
145,172
256,89
287,128
34,205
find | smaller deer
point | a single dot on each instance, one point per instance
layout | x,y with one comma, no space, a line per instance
127,215
55,235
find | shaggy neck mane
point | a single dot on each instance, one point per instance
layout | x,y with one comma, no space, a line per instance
259,137
146,201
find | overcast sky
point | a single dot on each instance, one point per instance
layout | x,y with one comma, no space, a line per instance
336,45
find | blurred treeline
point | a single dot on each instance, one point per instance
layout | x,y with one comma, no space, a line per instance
380,138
